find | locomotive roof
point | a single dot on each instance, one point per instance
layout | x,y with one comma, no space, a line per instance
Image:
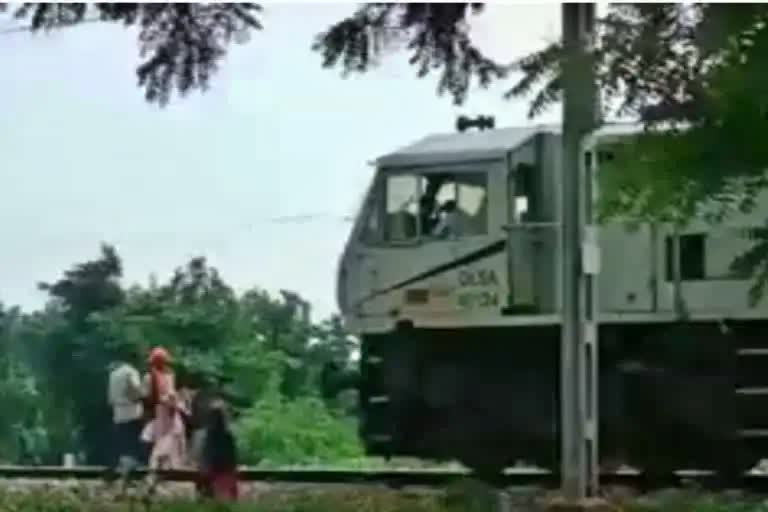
480,145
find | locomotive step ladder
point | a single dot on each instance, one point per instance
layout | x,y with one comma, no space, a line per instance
377,430
751,393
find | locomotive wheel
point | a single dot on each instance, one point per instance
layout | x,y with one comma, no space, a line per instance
486,467
734,469
735,461
659,471
485,458
655,466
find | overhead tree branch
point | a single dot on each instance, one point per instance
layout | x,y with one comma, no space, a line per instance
436,35
181,44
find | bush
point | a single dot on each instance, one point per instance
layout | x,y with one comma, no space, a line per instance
277,431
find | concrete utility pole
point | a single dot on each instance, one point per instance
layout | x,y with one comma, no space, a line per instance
579,260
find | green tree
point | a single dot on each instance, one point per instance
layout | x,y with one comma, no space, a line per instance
75,355
19,392
53,415
181,44
195,315
333,354
264,352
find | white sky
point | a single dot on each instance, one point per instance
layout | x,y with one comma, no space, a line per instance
85,159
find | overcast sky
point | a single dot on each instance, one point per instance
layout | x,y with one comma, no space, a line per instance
85,159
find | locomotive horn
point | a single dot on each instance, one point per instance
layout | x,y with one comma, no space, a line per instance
480,122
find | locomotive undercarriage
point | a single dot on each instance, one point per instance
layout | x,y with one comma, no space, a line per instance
683,396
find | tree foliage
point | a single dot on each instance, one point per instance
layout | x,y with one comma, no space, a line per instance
258,350
693,74
181,44
437,35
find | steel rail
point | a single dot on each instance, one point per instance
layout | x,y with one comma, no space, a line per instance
288,475
753,481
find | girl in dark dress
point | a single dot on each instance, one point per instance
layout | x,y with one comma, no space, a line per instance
218,472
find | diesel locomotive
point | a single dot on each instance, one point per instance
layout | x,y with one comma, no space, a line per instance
451,279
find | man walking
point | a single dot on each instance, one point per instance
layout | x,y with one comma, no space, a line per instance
125,396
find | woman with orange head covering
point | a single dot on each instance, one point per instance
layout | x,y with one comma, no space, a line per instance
166,429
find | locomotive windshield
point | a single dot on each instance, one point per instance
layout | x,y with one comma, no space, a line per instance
423,206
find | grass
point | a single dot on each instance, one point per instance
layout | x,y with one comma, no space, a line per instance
465,496
81,499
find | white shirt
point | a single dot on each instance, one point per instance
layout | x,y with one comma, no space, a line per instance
125,393
448,226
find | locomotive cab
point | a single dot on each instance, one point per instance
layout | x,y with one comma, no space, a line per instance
448,235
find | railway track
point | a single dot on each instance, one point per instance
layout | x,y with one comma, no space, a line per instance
753,481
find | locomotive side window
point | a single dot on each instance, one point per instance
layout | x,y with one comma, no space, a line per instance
402,209
371,232
704,257
692,258
525,197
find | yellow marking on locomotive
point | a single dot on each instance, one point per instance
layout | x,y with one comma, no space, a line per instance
416,296
429,299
